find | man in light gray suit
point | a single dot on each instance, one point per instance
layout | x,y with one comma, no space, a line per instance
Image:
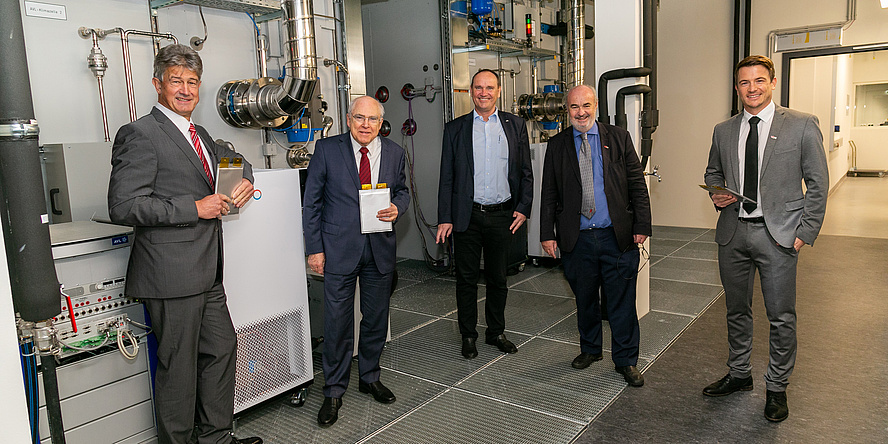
764,154
162,184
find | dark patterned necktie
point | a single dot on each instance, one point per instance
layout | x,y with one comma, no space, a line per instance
750,173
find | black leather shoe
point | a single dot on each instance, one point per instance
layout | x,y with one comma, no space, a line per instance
329,412
380,392
727,385
469,350
776,409
250,440
631,375
584,359
505,345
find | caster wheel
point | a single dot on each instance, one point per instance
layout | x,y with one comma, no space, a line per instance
297,398
521,267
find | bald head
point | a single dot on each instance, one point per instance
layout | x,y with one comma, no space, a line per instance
582,103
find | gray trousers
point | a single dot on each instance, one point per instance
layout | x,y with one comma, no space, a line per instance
753,248
196,356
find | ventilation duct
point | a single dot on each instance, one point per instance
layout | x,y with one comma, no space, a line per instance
266,102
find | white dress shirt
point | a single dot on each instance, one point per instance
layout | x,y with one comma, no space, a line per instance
184,126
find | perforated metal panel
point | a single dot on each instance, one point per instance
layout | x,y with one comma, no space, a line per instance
272,357
251,6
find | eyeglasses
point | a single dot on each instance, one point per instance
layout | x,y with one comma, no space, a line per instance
361,119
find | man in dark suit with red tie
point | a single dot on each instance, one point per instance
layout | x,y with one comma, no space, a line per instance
331,218
162,168
485,192
594,206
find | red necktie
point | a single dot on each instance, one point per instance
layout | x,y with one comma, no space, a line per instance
196,141
364,173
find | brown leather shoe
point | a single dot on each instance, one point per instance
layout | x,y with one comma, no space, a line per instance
584,359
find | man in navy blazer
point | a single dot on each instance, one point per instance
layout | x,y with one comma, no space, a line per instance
162,187
339,168
485,192
598,245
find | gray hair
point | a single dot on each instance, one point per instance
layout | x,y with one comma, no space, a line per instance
177,55
351,105
594,93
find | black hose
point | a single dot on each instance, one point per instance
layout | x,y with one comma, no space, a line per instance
614,74
53,405
620,114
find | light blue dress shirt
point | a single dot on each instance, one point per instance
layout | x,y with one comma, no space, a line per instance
491,154
601,218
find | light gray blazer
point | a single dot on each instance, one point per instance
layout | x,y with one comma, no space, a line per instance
794,152
156,177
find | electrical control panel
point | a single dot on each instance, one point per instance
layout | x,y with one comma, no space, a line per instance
90,260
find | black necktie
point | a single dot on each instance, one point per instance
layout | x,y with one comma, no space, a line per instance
750,174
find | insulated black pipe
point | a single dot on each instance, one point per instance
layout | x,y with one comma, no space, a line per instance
747,28
614,74
735,106
51,392
620,114
650,115
35,287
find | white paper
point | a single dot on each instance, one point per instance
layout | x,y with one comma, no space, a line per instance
372,201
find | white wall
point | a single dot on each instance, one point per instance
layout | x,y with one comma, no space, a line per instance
13,409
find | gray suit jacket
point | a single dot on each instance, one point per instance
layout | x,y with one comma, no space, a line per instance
156,178
794,152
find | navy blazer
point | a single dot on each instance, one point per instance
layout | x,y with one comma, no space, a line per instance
456,184
155,179
331,218
561,198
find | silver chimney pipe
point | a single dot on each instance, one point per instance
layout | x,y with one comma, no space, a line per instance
576,44
266,102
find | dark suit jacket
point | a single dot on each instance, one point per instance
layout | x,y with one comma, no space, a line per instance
156,178
456,184
794,152
331,210
562,190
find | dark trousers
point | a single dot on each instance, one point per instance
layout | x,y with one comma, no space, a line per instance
488,232
595,261
339,325
196,357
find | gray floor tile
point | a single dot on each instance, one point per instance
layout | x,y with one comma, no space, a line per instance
676,233
528,313
708,236
433,352
551,282
404,283
698,250
687,270
404,321
547,382
658,330
435,297
278,422
459,417
682,297
665,247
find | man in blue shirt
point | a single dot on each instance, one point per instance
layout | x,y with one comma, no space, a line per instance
594,206
484,195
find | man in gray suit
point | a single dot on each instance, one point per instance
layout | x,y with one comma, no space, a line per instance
764,154
162,184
